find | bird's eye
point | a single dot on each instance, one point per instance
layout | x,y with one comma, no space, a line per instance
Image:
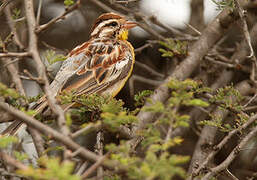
113,24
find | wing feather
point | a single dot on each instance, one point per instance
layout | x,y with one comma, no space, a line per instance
94,67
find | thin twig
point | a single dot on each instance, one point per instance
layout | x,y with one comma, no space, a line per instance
149,69
245,27
99,151
33,48
39,11
11,161
54,20
231,175
94,166
85,130
15,54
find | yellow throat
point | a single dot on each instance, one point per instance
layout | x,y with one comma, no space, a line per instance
123,35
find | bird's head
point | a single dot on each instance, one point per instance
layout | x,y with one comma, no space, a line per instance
111,25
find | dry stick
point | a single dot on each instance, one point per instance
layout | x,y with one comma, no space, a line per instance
245,27
39,11
11,161
48,131
149,69
133,78
15,54
15,76
11,67
233,154
33,48
233,177
94,166
209,37
248,40
54,20
38,140
99,151
4,173
88,128
12,26
210,131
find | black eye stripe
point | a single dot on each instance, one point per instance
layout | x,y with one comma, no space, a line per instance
113,24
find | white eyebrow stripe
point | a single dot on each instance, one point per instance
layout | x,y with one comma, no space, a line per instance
97,29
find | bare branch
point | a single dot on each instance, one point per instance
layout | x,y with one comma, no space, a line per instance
15,54
62,16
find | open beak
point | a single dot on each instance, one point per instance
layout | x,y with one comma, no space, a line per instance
130,24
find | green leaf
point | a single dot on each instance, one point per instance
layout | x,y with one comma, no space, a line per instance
196,102
156,107
68,3
68,119
16,13
50,168
6,140
52,57
141,97
20,156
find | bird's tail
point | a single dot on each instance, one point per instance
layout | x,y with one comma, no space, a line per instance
16,125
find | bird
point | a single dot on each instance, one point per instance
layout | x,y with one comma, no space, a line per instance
100,65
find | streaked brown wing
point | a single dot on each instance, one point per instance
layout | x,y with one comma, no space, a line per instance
106,60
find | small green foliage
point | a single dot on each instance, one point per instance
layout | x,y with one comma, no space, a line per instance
6,140
224,4
157,163
52,57
29,112
34,98
182,94
228,98
16,13
50,168
215,121
197,102
20,156
111,110
68,3
141,97
53,148
156,107
68,119
114,177
114,115
173,48
9,92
